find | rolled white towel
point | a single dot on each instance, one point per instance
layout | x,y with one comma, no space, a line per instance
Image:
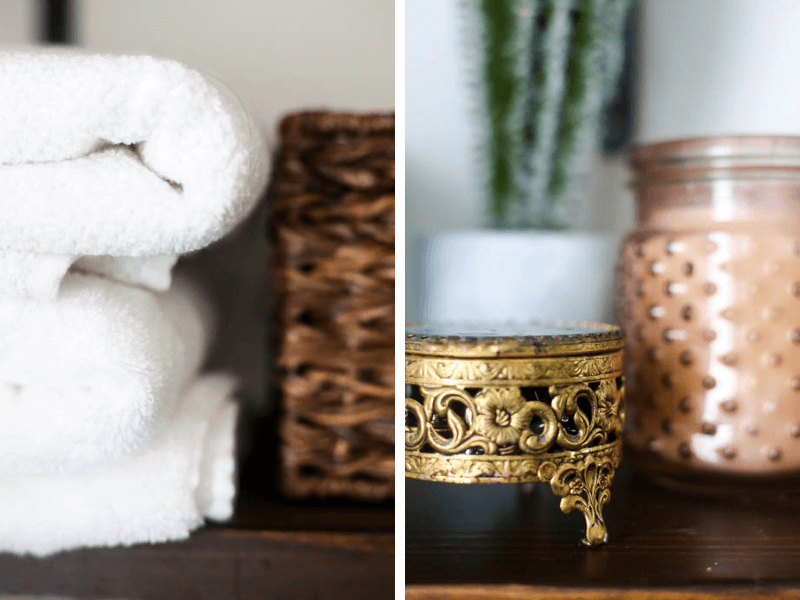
38,276
217,488
118,156
26,275
151,496
88,377
152,272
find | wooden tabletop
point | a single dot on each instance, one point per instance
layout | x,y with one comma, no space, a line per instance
273,548
497,541
289,551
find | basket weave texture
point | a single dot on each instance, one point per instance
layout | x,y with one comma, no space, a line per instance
332,229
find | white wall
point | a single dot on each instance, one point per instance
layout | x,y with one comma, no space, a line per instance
441,184
718,68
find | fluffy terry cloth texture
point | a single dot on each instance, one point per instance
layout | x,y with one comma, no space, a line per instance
88,377
152,272
111,167
120,156
25,275
217,491
160,493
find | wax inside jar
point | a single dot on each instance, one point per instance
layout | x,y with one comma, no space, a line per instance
730,203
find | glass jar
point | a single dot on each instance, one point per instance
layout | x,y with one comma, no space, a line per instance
711,310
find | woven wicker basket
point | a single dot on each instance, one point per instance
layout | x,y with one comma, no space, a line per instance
332,229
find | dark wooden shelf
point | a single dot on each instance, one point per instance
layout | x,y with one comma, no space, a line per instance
286,552
496,541
273,548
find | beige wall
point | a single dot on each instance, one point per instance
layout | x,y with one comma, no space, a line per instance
278,55
15,21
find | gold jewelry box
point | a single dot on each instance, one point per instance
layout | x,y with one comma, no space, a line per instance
515,403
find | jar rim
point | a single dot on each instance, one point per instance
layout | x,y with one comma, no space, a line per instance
777,149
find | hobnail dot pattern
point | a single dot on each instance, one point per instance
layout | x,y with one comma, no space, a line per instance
712,322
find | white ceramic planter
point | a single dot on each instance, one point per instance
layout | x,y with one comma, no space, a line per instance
510,275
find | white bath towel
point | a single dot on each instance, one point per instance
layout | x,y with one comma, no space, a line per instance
160,493
26,275
119,156
88,377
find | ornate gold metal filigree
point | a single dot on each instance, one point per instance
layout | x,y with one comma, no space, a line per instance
581,479
584,485
459,371
496,469
495,420
503,419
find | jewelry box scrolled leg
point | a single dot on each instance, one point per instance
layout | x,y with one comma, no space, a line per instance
584,484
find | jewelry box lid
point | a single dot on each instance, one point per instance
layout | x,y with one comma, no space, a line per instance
476,339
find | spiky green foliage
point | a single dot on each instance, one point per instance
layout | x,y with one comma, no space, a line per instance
549,77
508,29
579,82
549,69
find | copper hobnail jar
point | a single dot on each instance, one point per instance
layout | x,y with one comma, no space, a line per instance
711,310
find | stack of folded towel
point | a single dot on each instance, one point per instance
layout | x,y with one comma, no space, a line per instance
111,167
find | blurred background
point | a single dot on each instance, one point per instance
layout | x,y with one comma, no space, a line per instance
442,152
692,68
445,183
277,56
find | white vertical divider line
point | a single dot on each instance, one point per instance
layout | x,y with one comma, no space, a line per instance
399,296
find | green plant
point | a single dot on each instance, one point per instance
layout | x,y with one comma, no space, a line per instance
549,68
